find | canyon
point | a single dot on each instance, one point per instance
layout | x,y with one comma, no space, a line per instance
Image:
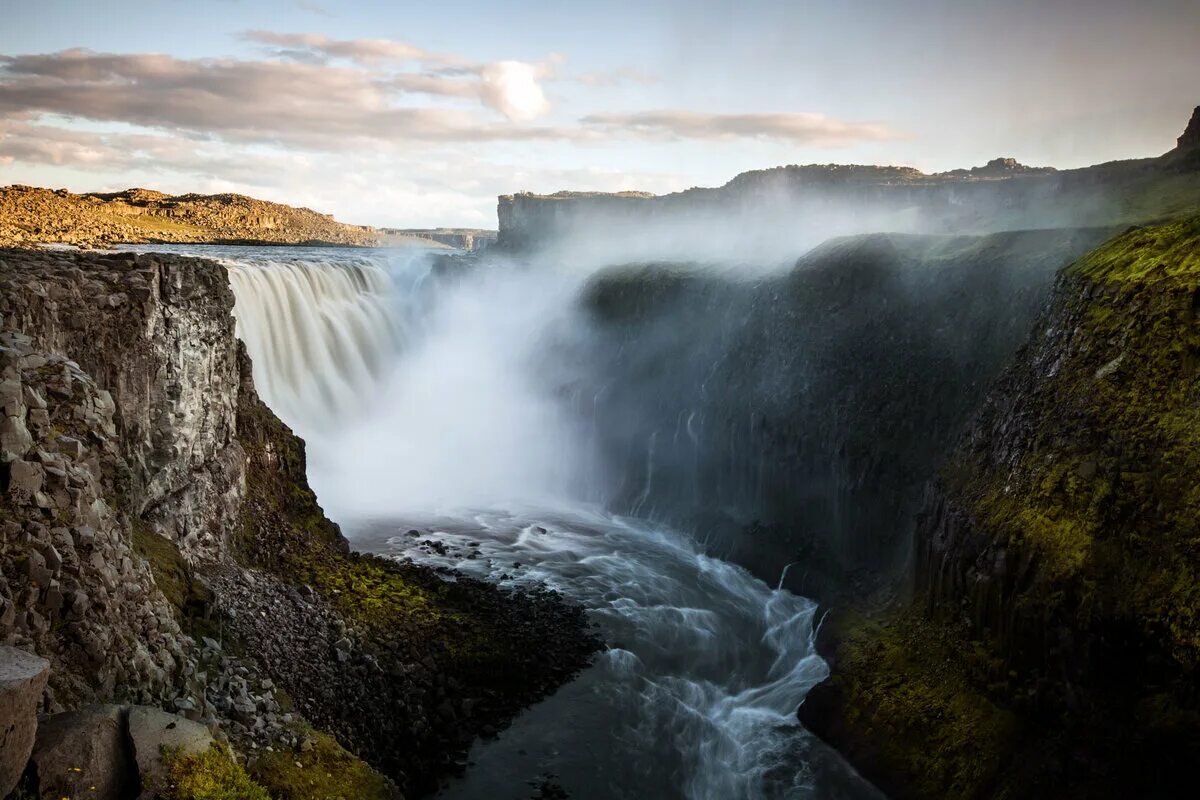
913,454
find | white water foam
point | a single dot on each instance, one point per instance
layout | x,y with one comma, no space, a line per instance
322,334
696,696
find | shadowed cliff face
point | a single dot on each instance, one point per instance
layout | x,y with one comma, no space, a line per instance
795,417
1056,560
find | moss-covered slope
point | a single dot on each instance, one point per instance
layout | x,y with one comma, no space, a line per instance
1061,549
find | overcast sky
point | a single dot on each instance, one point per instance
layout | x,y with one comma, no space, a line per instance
419,113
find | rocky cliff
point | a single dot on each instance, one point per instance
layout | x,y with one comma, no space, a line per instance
1051,648
1002,195
774,417
31,216
161,545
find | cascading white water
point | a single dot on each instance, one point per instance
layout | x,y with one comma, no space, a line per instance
321,333
696,696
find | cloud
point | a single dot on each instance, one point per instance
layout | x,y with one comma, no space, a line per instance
812,129
617,77
511,87
318,106
362,51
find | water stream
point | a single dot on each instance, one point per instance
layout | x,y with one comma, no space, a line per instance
436,405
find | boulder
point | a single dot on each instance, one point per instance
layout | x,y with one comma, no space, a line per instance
22,678
154,732
84,753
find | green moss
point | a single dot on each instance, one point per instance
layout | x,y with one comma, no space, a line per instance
908,686
369,592
1171,249
188,597
211,775
1104,486
325,771
166,563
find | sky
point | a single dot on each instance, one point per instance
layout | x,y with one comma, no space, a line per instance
416,114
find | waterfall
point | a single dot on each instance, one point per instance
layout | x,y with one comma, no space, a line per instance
321,334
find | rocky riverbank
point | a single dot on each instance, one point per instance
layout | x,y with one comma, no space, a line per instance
30,216
1051,646
161,546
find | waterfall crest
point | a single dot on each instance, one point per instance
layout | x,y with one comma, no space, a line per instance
321,334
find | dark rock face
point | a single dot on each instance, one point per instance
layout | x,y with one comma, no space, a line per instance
70,584
22,678
156,335
798,416
1191,136
1057,548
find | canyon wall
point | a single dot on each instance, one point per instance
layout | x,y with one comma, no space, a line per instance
1051,643
797,416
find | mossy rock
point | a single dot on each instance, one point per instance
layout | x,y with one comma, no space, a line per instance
210,775
903,704
321,770
188,597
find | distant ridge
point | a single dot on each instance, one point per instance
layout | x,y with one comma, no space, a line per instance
1003,194
30,216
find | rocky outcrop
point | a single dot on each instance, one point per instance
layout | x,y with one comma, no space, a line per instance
155,738
1003,195
157,333
1057,557
31,215
22,678
71,585
153,511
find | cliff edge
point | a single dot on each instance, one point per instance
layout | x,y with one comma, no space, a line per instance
1051,648
160,545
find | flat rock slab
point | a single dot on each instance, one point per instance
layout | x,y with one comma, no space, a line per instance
22,679
153,732
84,754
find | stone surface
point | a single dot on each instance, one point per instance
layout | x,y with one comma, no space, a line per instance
71,585
22,678
152,731
84,753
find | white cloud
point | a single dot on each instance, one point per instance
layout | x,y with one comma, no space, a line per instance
812,129
512,88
